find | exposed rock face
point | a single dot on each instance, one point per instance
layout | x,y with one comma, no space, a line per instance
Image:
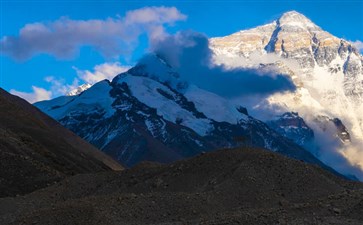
292,126
244,42
342,131
339,131
292,36
353,82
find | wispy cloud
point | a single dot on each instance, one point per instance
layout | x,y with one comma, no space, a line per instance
358,45
113,36
38,94
59,86
100,72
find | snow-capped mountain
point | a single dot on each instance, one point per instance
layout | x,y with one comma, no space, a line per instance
139,116
327,72
151,113
79,90
292,126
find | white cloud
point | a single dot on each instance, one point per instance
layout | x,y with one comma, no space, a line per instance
59,86
64,37
100,72
358,45
112,36
157,15
38,94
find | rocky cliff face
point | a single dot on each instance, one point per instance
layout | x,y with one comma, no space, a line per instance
295,37
336,126
292,126
292,36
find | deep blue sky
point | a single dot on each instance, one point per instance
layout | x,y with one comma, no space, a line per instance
214,18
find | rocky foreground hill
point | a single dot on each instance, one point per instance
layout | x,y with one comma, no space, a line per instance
240,186
36,151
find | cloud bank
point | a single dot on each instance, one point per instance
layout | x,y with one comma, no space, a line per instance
64,37
192,58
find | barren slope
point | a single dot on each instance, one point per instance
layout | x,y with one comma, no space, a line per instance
248,186
36,151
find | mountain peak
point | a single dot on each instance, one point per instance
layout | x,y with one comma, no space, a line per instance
292,13
294,18
78,90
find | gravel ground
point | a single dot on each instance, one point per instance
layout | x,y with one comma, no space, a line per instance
240,186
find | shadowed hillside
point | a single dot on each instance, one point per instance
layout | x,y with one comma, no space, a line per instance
36,151
241,186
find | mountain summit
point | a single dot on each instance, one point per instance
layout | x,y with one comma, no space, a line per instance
292,36
326,70
296,19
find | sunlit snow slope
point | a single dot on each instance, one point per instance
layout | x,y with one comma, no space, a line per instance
326,70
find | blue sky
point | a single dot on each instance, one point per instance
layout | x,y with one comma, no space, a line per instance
213,18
